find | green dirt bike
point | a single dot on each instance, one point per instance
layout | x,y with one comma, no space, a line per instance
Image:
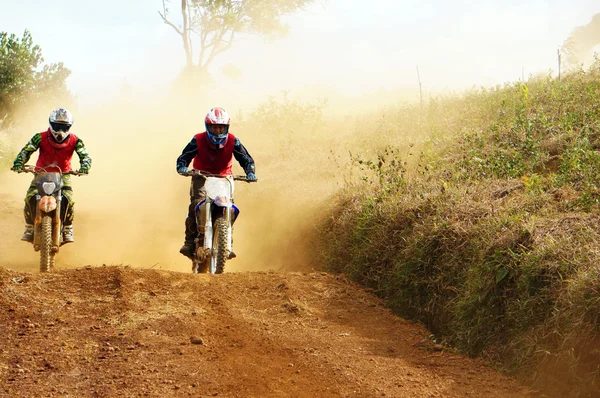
47,225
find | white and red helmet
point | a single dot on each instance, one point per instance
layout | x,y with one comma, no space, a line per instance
60,121
217,117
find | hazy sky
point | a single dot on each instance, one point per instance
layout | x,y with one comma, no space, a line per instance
348,45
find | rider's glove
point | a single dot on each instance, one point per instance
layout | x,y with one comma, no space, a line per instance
183,170
84,170
17,167
251,177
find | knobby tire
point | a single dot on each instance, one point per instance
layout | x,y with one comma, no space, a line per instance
46,253
220,240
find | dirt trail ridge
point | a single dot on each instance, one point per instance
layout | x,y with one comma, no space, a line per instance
119,331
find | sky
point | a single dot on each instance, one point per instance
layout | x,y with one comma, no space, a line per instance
347,46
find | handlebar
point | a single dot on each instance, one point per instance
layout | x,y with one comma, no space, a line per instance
194,173
36,170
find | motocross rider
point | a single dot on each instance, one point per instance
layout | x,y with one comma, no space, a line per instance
212,152
56,147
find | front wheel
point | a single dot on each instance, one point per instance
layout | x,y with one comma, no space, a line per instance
46,252
220,250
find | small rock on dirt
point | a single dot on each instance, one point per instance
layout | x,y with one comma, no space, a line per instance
196,340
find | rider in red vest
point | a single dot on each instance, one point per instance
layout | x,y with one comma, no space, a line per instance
212,152
56,146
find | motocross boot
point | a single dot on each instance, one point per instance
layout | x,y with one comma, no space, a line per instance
190,231
28,234
232,252
67,234
187,249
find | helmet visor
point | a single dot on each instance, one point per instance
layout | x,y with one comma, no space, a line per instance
60,127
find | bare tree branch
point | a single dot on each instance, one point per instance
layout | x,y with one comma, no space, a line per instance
221,49
216,24
214,46
165,20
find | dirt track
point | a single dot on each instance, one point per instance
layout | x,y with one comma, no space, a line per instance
115,331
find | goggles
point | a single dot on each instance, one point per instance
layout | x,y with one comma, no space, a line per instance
60,127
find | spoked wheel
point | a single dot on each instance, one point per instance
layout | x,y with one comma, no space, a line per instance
220,252
46,252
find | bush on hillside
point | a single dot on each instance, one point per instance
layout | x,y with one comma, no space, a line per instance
488,232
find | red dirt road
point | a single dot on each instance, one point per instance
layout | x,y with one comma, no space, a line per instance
117,331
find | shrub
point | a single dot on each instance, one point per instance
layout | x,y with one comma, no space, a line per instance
490,235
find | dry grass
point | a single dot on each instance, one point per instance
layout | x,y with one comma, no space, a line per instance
487,231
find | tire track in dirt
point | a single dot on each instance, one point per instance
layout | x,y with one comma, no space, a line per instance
116,331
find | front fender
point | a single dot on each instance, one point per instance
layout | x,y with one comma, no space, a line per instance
47,204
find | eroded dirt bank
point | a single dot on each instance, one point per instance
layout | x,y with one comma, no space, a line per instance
117,331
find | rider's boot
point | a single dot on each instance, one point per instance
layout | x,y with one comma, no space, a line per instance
190,231
67,234
188,248
232,252
28,234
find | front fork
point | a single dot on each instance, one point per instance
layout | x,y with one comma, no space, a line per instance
205,223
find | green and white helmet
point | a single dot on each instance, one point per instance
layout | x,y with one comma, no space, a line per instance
61,121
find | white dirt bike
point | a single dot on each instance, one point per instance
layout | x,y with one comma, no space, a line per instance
215,216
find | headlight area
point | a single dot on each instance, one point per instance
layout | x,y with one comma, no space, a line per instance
48,187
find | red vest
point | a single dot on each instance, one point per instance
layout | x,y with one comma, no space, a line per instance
212,158
54,156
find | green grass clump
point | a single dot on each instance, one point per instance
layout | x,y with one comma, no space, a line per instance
488,229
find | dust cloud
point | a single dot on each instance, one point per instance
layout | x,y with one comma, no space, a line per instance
131,209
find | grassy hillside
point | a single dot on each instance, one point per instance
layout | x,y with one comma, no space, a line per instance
487,229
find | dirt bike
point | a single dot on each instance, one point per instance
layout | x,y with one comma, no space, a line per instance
215,216
47,225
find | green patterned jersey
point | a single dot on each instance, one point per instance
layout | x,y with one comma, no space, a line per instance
85,160
28,150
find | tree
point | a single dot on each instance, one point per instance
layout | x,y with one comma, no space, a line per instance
579,47
24,78
215,24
